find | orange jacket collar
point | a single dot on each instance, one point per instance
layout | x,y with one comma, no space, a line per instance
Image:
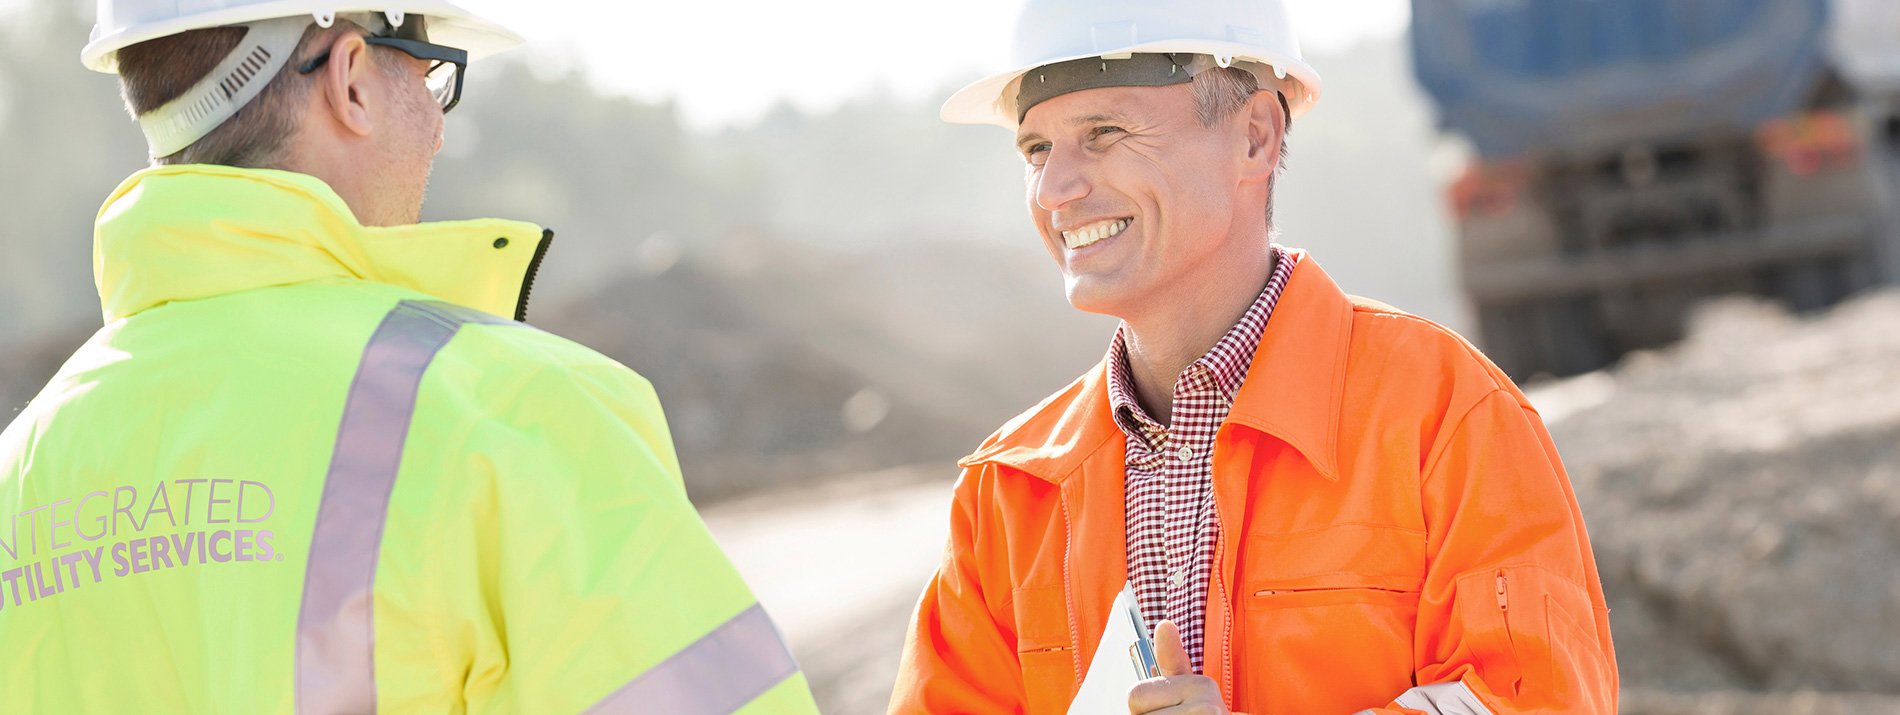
1293,391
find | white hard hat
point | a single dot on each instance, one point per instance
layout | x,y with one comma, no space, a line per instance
1254,33
123,23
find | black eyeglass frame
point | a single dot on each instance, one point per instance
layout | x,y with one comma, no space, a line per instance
427,51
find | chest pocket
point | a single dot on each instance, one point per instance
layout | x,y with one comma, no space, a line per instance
1313,604
1043,648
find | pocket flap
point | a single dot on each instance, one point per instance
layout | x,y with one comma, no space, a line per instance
1374,556
1042,619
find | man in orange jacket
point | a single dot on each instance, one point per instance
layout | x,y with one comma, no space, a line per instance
1328,505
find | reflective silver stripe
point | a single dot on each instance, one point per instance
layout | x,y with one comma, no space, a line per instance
716,675
1451,698
336,667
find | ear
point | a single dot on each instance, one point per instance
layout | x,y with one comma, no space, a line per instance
344,85
1264,122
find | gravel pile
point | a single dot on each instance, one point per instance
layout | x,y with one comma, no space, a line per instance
1742,490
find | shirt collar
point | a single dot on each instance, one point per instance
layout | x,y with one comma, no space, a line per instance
1227,362
1305,350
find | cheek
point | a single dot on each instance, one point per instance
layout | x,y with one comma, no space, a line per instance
1193,198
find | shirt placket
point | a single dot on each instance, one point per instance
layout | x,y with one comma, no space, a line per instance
1187,488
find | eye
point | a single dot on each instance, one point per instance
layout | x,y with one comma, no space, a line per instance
1100,132
1037,154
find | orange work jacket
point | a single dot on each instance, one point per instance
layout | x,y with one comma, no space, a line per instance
1392,515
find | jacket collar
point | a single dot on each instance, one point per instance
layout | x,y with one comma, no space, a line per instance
188,232
1293,391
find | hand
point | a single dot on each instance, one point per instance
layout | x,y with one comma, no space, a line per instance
1178,691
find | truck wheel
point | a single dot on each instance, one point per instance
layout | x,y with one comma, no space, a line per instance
1554,337
1811,285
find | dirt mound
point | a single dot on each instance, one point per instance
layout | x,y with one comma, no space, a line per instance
749,403
1805,702
1742,490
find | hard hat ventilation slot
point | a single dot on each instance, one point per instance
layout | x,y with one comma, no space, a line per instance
200,109
246,70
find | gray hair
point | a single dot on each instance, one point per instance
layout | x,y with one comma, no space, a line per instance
1220,93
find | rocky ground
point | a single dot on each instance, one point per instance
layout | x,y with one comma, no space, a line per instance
839,566
1742,490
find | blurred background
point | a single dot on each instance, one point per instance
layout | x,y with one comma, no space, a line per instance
1672,220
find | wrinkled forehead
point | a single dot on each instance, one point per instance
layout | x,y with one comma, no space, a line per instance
1119,106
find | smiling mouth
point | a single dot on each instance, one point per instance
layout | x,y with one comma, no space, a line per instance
1094,232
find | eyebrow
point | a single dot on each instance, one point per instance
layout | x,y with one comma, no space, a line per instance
1096,118
1100,117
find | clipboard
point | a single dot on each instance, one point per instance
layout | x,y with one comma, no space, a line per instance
1126,656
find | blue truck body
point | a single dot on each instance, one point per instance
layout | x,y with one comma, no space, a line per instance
1636,157
1532,76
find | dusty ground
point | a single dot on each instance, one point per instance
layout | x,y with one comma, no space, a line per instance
1743,494
1806,702
839,567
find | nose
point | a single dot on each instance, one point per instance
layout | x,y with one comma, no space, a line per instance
1062,181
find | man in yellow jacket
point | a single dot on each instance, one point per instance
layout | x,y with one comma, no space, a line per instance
312,463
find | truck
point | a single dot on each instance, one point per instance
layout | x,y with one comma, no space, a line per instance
1628,159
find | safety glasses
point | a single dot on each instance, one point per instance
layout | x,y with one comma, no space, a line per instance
444,79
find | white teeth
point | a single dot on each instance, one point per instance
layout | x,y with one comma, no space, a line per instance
1095,232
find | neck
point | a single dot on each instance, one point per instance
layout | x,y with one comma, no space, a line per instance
347,164
347,184
1166,337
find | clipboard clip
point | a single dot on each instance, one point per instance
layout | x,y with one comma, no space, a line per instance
1142,652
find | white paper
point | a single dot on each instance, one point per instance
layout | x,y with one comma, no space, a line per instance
1115,667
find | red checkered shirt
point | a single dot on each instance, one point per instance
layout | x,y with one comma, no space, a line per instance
1171,526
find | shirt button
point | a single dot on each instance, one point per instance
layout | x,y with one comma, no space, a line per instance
1186,453
1180,577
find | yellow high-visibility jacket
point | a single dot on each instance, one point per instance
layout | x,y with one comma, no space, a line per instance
310,466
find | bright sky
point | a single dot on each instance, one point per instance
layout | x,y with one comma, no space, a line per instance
727,61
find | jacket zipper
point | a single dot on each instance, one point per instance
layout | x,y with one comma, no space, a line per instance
1227,629
1068,592
1503,603
1281,591
534,267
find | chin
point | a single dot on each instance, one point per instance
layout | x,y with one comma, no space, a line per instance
1096,295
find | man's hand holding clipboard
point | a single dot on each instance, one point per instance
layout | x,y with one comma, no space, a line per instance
1175,690
1130,674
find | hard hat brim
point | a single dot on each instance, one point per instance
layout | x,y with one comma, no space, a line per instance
991,100
449,25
